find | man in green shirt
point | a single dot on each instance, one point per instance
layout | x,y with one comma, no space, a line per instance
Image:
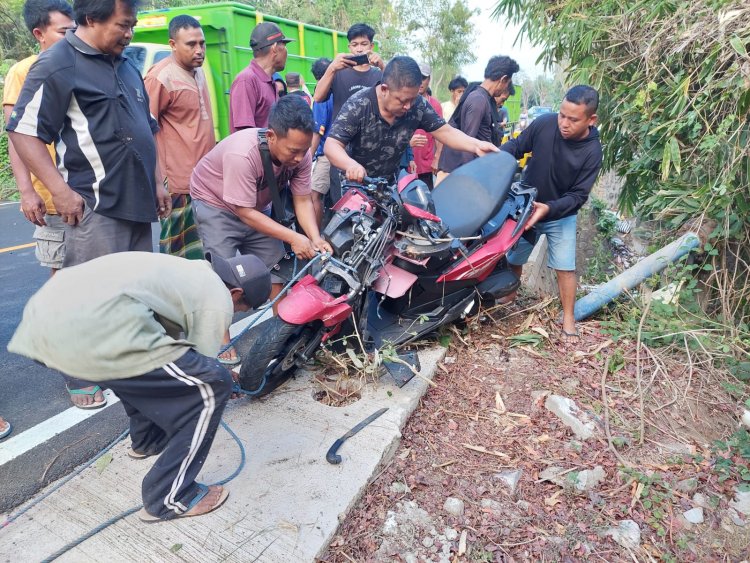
149,326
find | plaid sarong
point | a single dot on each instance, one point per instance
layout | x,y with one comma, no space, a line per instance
179,235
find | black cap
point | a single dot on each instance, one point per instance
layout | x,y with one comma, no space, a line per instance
247,272
265,34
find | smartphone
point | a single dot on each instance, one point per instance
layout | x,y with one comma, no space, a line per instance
359,59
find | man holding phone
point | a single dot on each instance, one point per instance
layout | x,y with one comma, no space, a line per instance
350,73
347,75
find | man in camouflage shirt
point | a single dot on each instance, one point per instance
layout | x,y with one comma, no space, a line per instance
373,129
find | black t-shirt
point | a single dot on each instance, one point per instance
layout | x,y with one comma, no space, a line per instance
564,171
371,140
475,118
94,107
347,82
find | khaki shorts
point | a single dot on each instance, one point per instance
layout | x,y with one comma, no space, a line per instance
321,175
50,242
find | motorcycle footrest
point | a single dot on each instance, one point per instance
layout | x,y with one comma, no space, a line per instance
401,373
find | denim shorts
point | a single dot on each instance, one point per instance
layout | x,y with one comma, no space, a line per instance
561,245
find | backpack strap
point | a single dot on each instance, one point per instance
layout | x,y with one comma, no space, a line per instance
269,179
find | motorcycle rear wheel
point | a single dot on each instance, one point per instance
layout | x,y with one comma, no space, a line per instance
271,358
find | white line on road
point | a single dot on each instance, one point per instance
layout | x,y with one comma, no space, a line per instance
9,203
44,431
33,437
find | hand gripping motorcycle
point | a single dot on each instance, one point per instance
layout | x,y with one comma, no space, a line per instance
406,261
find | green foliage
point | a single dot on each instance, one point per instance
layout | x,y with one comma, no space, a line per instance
732,457
444,34
675,99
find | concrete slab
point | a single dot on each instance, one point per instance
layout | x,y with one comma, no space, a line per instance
284,506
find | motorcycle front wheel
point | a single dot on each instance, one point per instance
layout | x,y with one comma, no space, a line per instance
271,356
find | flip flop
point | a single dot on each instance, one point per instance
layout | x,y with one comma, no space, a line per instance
150,519
7,431
228,361
93,391
571,335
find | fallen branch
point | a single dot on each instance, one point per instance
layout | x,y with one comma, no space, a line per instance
483,450
611,446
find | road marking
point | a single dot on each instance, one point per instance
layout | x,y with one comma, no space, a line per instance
44,431
9,203
19,247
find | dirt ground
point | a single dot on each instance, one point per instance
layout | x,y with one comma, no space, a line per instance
487,472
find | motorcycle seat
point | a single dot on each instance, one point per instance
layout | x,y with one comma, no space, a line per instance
474,192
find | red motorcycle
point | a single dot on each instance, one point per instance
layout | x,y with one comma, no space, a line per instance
406,261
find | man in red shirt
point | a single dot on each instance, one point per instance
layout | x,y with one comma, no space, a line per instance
253,91
426,148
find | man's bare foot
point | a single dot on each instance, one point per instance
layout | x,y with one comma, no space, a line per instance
90,397
210,502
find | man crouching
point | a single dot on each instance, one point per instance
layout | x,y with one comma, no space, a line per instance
150,329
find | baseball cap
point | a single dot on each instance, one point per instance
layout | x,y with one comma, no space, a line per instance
425,69
265,34
247,272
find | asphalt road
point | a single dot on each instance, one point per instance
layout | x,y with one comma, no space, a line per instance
31,393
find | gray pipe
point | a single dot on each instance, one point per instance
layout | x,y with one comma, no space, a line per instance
633,276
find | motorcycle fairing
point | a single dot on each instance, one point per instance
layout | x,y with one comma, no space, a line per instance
307,302
393,281
480,263
353,200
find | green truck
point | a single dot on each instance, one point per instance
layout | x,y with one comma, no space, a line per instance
227,27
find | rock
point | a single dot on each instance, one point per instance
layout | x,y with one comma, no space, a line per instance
746,418
448,360
428,542
627,534
538,396
575,445
581,481
694,515
400,488
737,520
687,486
390,526
573,417
741,502
450,534
454,506
700,499
491,505
621,442
570,384
510,478
589,478
523,505
678,448
410,558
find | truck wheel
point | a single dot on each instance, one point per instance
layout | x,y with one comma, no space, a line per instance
272,355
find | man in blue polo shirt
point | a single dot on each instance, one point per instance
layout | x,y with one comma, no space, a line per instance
87,99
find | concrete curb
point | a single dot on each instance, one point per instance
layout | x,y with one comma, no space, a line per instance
285,506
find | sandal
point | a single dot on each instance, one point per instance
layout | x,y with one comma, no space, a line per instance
91,392
204,490
7,431
570,336
229,361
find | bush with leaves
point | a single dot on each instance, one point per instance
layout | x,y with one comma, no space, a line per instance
674,78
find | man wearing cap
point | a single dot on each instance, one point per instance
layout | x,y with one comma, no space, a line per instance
423,143
253,91
126,332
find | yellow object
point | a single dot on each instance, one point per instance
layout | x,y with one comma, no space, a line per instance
13,84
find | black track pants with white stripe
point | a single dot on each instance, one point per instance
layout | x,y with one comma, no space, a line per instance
175,409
